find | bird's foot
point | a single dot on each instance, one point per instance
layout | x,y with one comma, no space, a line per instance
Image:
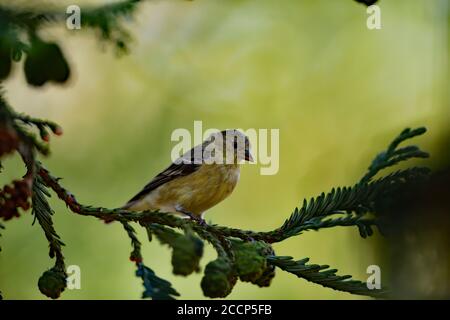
199,220
202,222
194,217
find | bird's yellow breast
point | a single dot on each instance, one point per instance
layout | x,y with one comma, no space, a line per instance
196,192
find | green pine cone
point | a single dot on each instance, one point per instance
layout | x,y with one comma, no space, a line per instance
219,278
251,262
186,255
52,283
266,278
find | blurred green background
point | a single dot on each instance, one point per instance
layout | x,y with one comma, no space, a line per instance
337,91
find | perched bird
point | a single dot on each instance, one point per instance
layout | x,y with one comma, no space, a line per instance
198,180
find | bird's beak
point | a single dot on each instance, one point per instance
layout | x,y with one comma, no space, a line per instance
248,157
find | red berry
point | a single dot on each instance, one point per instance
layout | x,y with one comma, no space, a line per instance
58,130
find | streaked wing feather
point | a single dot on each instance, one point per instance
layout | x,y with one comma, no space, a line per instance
173,172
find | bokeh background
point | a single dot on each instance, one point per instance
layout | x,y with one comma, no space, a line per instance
337,91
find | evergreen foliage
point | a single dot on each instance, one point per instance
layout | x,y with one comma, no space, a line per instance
241,254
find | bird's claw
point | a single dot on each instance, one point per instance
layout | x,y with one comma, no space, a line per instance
199,220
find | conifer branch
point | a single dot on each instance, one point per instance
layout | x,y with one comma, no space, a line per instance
43,214
155,287
135,255
339,201
364,224
322,275
393,155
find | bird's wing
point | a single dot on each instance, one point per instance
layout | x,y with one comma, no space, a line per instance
173,172
182,167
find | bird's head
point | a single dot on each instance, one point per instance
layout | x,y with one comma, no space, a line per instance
232,146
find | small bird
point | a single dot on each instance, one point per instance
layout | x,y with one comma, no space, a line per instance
198,180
